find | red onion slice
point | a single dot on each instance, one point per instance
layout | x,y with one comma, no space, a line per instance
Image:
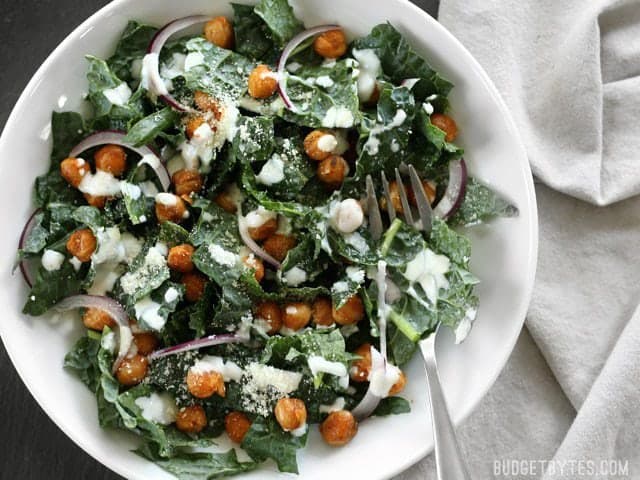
26,274
252,245
115,311
155,46
454,194
199,343
286,53
114,137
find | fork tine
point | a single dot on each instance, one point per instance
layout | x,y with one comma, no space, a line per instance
387,195
375,220
424,207
403,199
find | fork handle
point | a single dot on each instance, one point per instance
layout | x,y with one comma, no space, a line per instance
450,464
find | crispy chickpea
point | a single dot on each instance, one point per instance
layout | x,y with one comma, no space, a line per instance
146,342
73,170
81,244
112,159
193,123
331,44
236,424
291,413
219,31
319,144
95,201
132,370
262,82
205,384
187,182
170,208
351,312
97,319
429,189
399,385
322,312
360,368
256,264
225,201
332,171
194,284
271,313
278,245
394,193
296,315
264,231
207,103
446,124
339,428
191,419
179,258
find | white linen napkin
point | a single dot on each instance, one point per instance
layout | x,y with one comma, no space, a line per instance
570,73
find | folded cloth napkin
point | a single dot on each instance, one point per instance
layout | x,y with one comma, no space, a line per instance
568,403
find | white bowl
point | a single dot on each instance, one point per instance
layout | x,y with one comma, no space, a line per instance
504,253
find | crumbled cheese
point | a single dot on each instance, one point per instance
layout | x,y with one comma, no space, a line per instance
119,95
325,81
222,256
395,146
258,217
337,405
75,261
370,68
167,199
209,363
295,276
272,172
340,287
355,274
263,376
158,408
357,241
327,143
52,260
171,295
130,190
149,312
372,146
347,216
428,108
100,184
338,117
110,247
428,269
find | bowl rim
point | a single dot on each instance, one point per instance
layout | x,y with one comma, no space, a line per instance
531,207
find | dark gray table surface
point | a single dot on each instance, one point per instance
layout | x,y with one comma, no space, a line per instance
33,448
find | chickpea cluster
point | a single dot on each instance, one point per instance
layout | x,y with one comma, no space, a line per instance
180,260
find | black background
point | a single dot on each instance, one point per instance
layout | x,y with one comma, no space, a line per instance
31,446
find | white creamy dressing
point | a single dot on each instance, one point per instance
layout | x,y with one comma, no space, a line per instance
158,408
100,184
52,260
222,256
294,276
149,312
381,378
338,117
258,217
327,143
119,95
263,376
336,406
372,144
428,270
209,363
346,216
272,172
318,364
370,69
105,278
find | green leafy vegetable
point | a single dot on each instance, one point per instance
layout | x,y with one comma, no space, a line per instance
280,19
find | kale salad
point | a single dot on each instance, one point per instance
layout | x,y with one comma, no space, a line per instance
209,222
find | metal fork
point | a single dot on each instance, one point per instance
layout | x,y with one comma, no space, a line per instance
450,464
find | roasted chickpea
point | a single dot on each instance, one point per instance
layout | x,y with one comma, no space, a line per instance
360,368
331,44
264,231
205,384
146,342
256,264
207,103
278,245
170,208
225,201
271,313
187,182
332,171
97,319
179,258
291,413
219,31
322,312
399,385
339,428
446,124
193,123
194,284
351,312
95,201
81,244
236,424
319,144
73,170
112,159
394,193
429,189
191,419
132,370
296,315
262,82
